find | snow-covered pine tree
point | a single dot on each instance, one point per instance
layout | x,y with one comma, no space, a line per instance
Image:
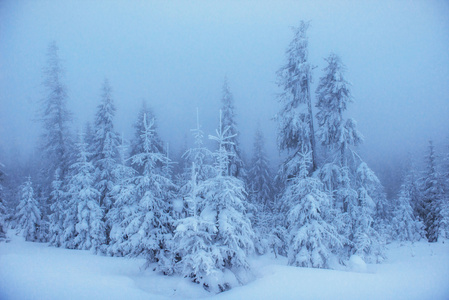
260,183
56,140
260,193
136,143
55,117
354,187
432,197
148,228
444,226
105,155
194,237
366,241
2,205
223,205
236,166
193,234
311,238
333,96
367,180
125,204
58,200
404,223
412,181
334,132
295,119
28,215
444,221
200,155
84,227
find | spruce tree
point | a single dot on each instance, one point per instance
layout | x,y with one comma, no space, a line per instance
334,132
2,205
85,213
432,198
193,235
260,193
28,215
149,225
199,156
105,155
404,223
236,166
193,238
124,205
260,184
55,117
444,226
136,142
295,119
367,180
222,204
56,141
312,239
333,96
366,241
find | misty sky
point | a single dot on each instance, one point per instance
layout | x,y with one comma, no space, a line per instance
175,55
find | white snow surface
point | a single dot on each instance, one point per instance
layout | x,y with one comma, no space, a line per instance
36,271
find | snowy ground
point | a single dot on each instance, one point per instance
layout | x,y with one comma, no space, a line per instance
36,271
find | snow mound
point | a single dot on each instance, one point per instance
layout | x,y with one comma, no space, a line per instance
357,264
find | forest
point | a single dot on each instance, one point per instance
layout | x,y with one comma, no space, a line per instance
202,214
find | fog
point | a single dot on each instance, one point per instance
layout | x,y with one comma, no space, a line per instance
176,54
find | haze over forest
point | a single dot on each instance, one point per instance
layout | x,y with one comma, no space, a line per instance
229,147
175,56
